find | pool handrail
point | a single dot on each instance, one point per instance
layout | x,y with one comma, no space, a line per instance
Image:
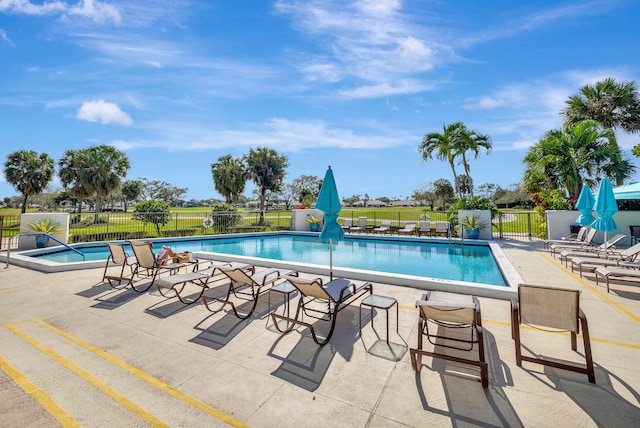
40,234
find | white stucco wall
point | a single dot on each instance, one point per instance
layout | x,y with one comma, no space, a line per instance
29,242
299,219
483,215
558,223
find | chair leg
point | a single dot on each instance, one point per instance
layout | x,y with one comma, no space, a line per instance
515,332
587,347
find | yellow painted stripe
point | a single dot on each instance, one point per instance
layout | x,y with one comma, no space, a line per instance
115,395
148,378
39,395
616,305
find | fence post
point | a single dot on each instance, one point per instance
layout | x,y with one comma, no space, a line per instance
529,224
1,227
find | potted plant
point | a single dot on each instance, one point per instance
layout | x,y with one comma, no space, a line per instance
43,226
314,223
473,224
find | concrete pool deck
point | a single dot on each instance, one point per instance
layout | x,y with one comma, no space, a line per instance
73,349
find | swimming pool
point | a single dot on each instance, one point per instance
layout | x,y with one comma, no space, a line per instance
402,260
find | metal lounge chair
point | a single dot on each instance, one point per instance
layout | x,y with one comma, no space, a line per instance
627,275
601,249
449,314
569,237
442,228
551,308
385,226
586,243
424,228
321,302
245,285
174,285
624,258
145,260
119,257
409,228
361,227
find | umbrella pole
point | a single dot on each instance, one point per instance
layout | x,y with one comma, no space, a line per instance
330,259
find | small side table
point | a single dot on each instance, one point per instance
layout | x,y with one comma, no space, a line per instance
379,302
286,288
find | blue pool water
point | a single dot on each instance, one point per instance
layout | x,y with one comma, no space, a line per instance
469,262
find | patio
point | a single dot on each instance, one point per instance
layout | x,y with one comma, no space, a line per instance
74,348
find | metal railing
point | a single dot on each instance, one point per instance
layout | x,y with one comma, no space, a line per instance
37,235
109,226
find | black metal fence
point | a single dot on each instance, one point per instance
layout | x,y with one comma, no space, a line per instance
519,225
107,226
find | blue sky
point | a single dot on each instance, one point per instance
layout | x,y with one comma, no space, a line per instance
353,84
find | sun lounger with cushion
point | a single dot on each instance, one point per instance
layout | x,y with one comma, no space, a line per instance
409,228
321,302
385,226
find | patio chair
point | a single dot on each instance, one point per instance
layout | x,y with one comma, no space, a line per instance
119,257
442,228
456,329
245,285
601,249
322,302
174,285
385,226
408,229
569,237
622,274
547,308
348,224
424,228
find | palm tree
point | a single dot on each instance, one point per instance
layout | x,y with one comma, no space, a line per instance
93,172
29,173
266,168
471,141
131,190
443,146
455,141
229,177
614,104
105,168
576,154
72,178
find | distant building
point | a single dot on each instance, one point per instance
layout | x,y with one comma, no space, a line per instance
405,203
373,203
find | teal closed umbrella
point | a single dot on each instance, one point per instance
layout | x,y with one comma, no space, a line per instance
329,203
606,207
585,206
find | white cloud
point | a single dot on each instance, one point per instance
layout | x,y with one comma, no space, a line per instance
103,112
5,39
95,10
372,42
98,11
